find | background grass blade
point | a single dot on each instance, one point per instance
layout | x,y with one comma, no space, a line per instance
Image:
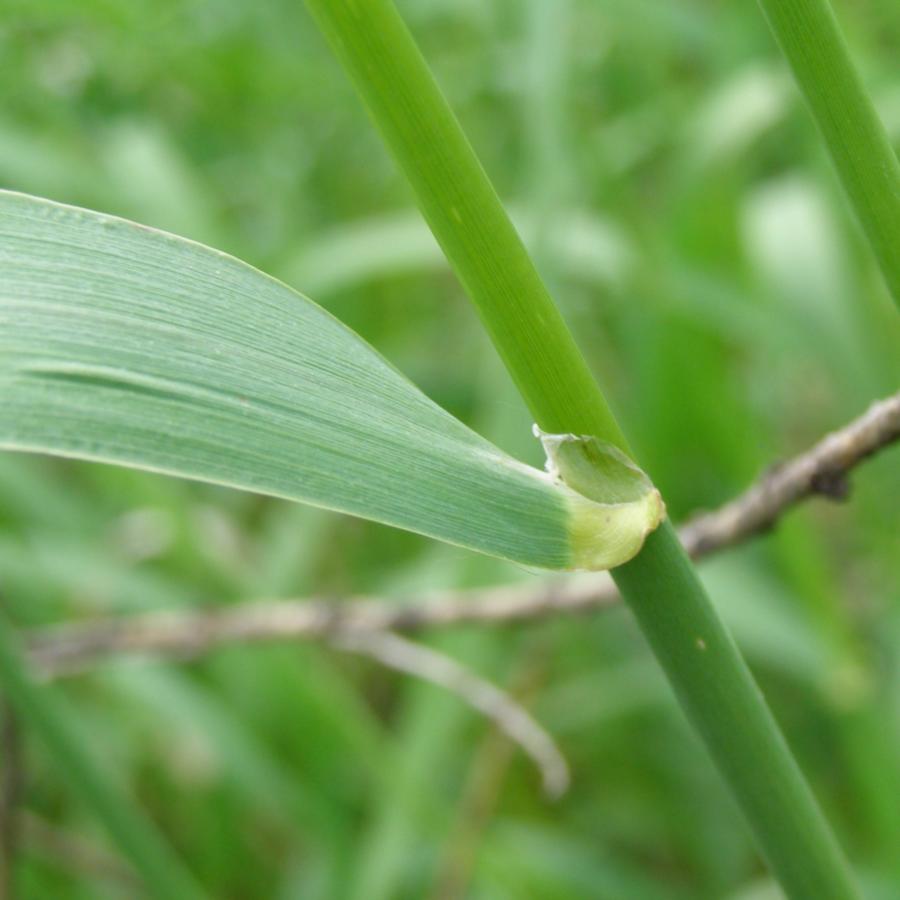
136,838
862,153
127,345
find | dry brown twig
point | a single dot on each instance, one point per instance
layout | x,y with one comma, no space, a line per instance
366,625
509,716
822,470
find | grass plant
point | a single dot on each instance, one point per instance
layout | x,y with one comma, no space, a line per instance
666,189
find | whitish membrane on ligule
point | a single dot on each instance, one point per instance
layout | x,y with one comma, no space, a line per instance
612,503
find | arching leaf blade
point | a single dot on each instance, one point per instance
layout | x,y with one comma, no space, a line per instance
126,345
123,344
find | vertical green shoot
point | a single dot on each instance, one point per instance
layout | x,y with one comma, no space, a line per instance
866,163
660,584
462,209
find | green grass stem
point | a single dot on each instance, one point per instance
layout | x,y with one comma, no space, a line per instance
866,163
139,842
467,218
661,585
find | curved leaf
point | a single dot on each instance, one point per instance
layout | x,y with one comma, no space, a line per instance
123,344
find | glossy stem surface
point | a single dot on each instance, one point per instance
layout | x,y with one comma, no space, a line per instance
660,584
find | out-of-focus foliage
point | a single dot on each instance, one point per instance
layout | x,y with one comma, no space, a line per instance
680,204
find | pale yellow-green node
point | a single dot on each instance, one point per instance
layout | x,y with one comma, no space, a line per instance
612,504
606,535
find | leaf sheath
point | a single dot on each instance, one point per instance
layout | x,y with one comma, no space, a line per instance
660,584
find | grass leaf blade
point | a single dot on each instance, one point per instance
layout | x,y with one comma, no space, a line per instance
123,344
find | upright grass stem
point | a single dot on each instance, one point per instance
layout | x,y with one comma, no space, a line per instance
866,163
660,584
163,874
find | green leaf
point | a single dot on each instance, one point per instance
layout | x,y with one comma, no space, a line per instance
126,345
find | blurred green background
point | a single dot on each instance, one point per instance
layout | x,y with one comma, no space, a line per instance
680,204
